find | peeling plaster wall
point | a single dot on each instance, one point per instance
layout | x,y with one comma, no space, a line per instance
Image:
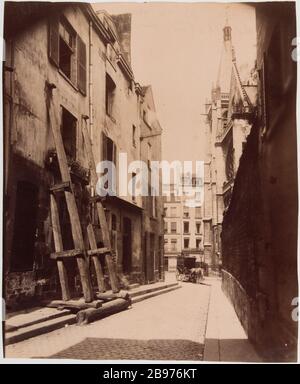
29,136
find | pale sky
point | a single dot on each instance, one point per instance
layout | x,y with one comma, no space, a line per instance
176,48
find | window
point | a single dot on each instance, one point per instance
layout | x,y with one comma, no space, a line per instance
133,136
186,227
165,212
109,151
166,244
173,211
186,243
198,227
186,212
166,227
173,227
69,133
173,244
110,91
198,243
67,52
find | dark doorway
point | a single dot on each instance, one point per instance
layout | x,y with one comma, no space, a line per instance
69,133
25,226
127,245
151,260
145,253
160,255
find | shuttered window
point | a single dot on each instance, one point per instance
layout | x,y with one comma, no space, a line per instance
53,45
109,149
109,153
67,52
81,65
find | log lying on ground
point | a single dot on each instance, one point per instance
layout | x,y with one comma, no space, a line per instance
74,304
106,296
91,314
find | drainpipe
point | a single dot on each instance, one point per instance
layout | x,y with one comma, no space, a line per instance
91,120
9,94
144,242
8,123
90,80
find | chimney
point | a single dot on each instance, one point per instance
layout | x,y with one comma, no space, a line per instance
123,26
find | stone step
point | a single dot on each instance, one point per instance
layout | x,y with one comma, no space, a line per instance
133,286
145,289
149,295
24,326
28,319
39,328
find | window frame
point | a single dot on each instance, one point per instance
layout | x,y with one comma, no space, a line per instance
78,60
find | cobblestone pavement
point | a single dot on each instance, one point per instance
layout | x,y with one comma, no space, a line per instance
167,327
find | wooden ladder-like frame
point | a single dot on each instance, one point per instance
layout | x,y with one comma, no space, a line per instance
80,253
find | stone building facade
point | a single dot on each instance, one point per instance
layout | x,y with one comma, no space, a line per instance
183,228
85,57
150,149
229,116
259,236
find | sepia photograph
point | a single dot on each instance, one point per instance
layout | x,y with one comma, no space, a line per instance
150,183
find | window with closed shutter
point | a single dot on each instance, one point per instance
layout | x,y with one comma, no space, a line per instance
109,153
110,91
81,65
53,45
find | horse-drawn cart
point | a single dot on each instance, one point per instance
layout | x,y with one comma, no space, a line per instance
187,270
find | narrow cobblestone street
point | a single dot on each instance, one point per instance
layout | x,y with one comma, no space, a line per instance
167,327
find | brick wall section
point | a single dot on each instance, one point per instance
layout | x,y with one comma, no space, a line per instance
253,277
240,225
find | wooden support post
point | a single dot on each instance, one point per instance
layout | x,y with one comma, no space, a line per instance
96,261
106,242
100,210
71,203
58,244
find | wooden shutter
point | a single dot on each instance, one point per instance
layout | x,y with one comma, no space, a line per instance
115,154
53,40
81,65
104,147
